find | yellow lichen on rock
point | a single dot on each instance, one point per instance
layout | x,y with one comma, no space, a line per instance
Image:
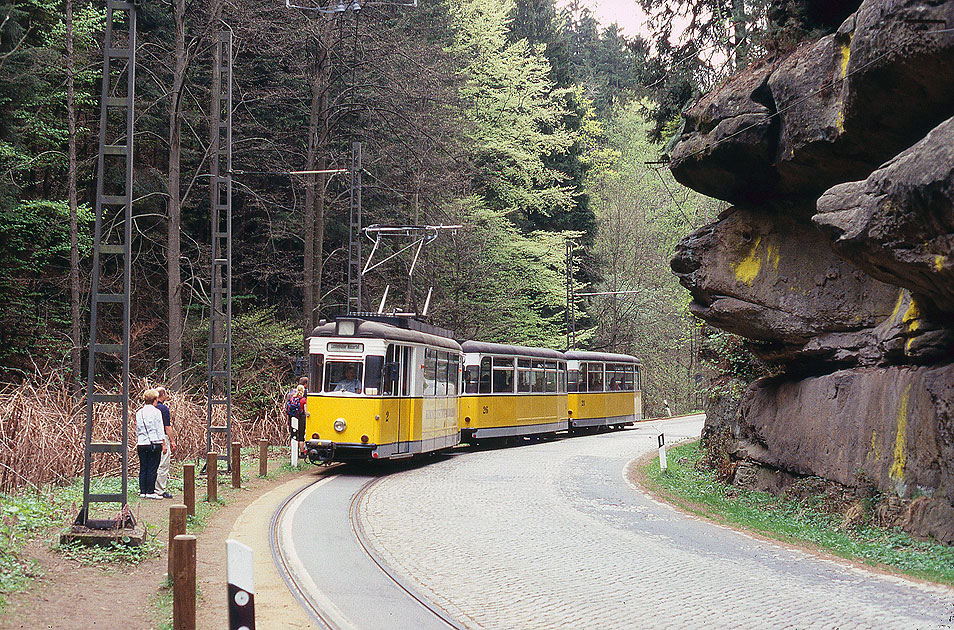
748,268
845,56
772,255
897,305
900,454
939,261
875,452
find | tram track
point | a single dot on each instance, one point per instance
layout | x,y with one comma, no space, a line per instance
325,612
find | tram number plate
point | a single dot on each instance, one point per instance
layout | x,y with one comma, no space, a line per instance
486,411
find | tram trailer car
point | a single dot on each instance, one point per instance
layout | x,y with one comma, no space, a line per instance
511,391
381,388
604,390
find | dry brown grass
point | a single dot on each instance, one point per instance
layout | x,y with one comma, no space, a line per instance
42,426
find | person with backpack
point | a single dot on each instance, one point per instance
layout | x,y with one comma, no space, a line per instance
295,409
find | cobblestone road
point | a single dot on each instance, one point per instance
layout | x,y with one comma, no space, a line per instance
551,535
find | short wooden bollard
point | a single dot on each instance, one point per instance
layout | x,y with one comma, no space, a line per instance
183,584
177,527
212,477
188,488
262,458
236,462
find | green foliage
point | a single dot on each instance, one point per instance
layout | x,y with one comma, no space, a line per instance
640,223
516,114
34,258
264,348
499,284
797,521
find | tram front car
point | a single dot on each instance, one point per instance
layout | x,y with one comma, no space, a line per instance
380,389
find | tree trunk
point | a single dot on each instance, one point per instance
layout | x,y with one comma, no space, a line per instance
175,211
315,185
75,352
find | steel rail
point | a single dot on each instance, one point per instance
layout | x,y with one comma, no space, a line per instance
282,565
300,593
361,536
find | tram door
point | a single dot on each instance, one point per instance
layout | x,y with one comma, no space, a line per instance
398,361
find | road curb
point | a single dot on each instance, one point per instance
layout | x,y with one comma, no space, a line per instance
275,606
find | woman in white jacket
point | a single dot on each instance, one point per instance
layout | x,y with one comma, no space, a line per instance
149,444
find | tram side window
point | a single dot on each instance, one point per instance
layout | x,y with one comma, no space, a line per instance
315,365
539,377
614,376
441,373
581,378
453,375
406,371
373,374
503,376
561,377
551,381
343,376
524,380
471,373
629,382
484,387
430,372
573,380
594,377
391,371
639,379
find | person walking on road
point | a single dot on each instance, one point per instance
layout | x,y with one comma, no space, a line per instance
149,444
162,476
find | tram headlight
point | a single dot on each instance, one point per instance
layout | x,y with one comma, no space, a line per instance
340,425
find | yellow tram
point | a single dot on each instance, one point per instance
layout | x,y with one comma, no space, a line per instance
388,387
381,388
511,391
604,390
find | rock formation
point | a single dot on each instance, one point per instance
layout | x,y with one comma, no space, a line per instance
837,256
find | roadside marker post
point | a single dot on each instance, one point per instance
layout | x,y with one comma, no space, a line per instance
236,461
177,527
240,573
294,453
183,584
262,458
211,477
188,488
662,451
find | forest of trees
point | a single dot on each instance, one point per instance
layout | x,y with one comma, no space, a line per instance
523,122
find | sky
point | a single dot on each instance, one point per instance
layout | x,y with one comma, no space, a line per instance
630,18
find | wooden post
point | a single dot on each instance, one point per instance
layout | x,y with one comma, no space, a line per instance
236,465
211,476
177,527
262,458
183,585
188,488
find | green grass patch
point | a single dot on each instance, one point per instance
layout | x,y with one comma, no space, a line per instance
31,514
795,521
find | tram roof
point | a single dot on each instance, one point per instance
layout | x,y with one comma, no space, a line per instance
484,347
365,329
606,357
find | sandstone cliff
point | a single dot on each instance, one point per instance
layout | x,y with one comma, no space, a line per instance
838,253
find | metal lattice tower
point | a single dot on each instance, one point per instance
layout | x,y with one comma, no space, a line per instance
354,233
570,299
114,184
220,315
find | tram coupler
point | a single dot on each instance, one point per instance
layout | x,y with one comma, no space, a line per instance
320,451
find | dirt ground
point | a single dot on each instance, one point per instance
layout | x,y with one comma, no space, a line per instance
71,595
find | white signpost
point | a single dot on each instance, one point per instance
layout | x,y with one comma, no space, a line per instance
662,451
240,572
